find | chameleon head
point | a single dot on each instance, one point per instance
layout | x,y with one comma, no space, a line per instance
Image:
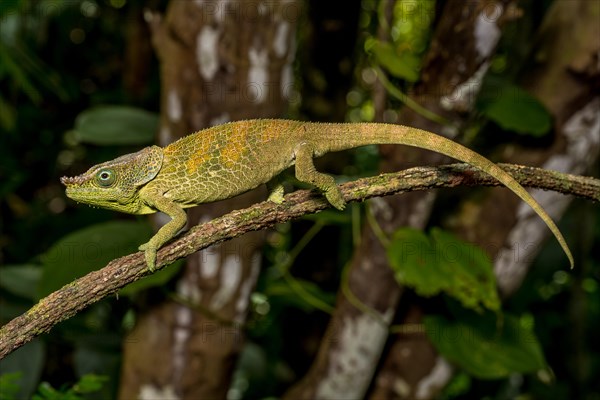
115,184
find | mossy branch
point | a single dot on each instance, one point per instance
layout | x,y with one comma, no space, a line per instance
79,294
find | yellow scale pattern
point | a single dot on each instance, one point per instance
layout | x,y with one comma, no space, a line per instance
226,160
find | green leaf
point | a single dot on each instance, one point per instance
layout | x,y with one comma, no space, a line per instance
116,125
46,392
403,65
21,280
487,347
513,108
28,362
89,249
9,388
443,263
90,383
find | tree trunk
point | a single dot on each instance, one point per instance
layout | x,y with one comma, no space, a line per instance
346,362
563,74
220,61
574,104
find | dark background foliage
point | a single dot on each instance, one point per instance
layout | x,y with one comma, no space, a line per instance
75,72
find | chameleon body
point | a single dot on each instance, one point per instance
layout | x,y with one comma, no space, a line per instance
226,160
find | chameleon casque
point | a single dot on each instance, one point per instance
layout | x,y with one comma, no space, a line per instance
226,160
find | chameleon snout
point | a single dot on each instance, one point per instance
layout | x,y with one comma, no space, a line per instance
73,180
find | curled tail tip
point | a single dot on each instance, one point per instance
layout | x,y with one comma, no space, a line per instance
567,251
571,260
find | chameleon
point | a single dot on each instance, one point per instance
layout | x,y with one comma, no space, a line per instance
226,160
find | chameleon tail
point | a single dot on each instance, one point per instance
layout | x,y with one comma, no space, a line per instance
345,136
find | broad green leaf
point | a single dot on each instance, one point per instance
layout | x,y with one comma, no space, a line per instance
116,125
513,108
442,263
403,65
21,280
487,347
89,249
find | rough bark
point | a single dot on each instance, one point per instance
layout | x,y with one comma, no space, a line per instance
76,296
220,61
450,79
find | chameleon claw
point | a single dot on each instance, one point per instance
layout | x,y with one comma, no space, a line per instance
334,197
276,197
149,256
276,191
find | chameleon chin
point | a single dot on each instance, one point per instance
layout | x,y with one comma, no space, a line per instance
226,160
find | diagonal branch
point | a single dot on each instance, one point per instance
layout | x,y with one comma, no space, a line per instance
77,295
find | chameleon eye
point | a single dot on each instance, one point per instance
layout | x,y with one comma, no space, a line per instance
105,177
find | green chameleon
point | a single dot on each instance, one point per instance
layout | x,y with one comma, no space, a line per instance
224,161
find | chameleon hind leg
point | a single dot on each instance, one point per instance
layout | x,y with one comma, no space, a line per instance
276,190
306,172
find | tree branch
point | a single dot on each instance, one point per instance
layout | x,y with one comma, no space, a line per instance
77,295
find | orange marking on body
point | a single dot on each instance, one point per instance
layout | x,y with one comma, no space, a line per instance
197,159
270,132
197,147
236,145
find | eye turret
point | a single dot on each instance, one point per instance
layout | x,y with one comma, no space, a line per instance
105,177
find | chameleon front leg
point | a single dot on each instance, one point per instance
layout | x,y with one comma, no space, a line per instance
306,172
167,231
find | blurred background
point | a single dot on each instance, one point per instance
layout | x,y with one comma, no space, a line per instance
335,305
